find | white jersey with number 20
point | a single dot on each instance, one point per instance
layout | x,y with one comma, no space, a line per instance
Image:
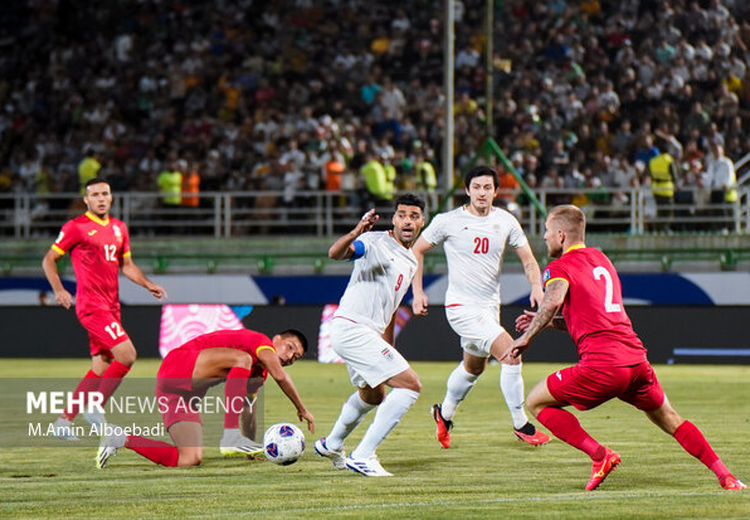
474,250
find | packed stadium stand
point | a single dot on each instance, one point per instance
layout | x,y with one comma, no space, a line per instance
299,95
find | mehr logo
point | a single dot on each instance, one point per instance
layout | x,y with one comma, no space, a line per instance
58,402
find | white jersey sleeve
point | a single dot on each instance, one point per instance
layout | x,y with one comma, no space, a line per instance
516,236
435,233
379,281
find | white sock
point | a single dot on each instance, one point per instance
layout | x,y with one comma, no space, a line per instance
511,383
390,411
352,413
460,383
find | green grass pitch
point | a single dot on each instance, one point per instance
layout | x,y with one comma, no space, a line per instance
486,474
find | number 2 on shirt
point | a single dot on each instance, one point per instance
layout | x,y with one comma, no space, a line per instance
609,305
481,245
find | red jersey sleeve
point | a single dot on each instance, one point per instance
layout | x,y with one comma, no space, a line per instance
125,251
555,271
67,239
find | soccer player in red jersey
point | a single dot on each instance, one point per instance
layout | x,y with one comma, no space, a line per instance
243,358
99,248
612,359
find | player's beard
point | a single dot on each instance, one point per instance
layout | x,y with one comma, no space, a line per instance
406,242
554,251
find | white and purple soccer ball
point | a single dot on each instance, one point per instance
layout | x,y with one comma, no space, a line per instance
283,443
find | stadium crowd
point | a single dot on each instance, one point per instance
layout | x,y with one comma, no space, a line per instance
347,94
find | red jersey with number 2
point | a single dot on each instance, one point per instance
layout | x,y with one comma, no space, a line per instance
96,248
593,309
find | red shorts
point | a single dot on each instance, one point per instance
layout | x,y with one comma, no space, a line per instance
174,387
586,387
105,331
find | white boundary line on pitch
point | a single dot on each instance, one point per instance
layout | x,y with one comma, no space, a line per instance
596,495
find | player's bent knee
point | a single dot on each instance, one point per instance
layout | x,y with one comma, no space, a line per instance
189,458
415,385
125,353
244,360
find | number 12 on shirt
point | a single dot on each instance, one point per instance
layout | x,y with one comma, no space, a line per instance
110,252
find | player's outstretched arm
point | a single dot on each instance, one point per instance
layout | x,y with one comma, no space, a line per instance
342,248
271,361
533,275
420,301
554,296
134,274
49,265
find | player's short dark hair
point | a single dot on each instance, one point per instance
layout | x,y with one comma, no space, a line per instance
409,199
478,171
300,336
95,180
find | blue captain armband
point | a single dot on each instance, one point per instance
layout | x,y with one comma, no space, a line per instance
359,250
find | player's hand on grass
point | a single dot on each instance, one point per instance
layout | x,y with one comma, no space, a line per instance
367,221
524,320
304,415
419,304
64,298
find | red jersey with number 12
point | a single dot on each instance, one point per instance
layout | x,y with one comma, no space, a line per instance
593,310
96,248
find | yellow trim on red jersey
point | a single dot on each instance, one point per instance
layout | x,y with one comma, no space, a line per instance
556,278
100,221
575,246
126,254
264,346
57,249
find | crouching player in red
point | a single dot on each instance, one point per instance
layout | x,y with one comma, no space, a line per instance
237,357
612,359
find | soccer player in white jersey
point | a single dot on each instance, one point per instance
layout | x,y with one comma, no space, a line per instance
362,333
474,237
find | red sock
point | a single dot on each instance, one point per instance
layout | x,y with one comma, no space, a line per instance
235,391
89,383
156,451
691,438
111,379
566,427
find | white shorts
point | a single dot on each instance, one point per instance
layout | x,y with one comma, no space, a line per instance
477,326
369,359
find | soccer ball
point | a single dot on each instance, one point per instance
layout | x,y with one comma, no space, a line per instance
283,443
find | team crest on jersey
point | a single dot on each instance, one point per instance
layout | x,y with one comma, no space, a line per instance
117,231
545,276
387,354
